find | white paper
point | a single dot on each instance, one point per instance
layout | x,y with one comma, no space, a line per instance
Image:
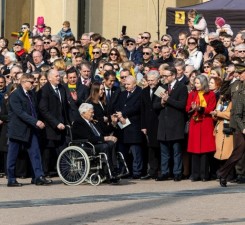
122,126
159,91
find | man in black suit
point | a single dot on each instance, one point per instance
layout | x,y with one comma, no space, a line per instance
130,137
179,65
111,91
23,129
166,56
171,123
77,93
85,128
53,108
149,123
132,53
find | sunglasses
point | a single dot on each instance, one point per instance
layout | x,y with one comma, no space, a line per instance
7,76
46,42
205,67
144,37
242,51
24,28
64,47
123,77
159,47
130,44
75,53
146,53
96,53
16,45
113,54
191,43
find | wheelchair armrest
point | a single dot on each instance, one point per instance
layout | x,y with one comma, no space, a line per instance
79,141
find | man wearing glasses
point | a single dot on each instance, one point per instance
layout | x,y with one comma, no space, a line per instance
25,27
131,52
23,128
146,37
166,56
97,56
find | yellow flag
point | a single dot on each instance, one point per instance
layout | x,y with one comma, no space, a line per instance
26,42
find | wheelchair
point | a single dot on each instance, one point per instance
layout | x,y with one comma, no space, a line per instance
80,163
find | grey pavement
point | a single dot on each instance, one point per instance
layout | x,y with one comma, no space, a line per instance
131,202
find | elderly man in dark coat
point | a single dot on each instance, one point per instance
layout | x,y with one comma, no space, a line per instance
130,136
171,123
149,123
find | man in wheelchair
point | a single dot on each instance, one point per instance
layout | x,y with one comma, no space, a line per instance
86,128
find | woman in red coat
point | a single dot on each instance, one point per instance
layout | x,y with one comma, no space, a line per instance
201,140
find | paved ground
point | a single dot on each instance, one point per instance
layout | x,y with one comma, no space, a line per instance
131,202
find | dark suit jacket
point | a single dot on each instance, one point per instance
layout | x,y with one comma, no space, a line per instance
81,130
130,108
172,115
184,80
149,116
21,122
136,56
53,111
115,92
169,61
82,95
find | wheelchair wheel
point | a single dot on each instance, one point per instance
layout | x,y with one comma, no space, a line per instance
73,165
95,179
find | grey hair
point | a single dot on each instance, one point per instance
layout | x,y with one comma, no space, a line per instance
204,82
154,73
213,34
84,107
56,39
11,56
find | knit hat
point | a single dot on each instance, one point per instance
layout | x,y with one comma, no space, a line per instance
220,21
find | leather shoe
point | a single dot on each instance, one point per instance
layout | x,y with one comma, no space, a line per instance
177,178
222,182
115,180
146,177
162,177
42,181
136,177
14,184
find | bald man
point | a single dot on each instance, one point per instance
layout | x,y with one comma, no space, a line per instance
130,137
53,109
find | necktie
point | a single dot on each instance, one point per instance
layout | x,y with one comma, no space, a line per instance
95,131
57,92
108,95
151,93
33,112
85,82
129,94
169,89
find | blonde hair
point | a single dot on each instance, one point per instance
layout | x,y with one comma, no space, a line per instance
59,64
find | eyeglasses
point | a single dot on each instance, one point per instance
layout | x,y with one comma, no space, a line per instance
143,37
96,53
165,40
16,45
22,28
130,44
64,47
113,54
46,42
123,77
31,82
146,53
205,67
191,43
166,75
159,47
242,51
75,53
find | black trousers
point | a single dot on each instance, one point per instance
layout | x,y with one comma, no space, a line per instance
109,148
238,151
200,166
153,160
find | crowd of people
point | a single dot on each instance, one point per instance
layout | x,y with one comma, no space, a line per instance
175,110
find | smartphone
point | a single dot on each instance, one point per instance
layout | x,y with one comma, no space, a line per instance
124,28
